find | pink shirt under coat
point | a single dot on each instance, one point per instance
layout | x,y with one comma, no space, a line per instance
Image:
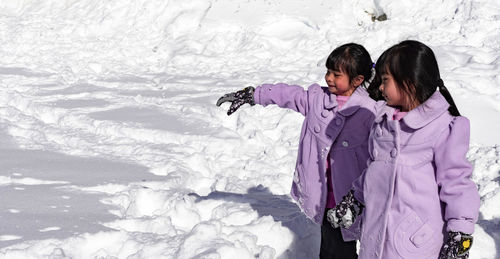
398,115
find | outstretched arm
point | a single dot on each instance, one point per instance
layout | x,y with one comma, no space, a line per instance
286,96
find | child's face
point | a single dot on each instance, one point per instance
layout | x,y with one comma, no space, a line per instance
338,83
390,91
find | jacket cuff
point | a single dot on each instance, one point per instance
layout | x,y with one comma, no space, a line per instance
358,196
256,94
460,225
263,98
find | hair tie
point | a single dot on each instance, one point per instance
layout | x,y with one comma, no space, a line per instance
440,83
372,72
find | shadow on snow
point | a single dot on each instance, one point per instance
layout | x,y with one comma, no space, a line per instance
282,209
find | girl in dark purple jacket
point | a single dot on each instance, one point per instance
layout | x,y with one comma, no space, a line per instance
333,143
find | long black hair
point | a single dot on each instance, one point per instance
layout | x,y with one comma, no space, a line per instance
352,59
414,68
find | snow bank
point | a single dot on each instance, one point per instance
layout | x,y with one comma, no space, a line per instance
111,145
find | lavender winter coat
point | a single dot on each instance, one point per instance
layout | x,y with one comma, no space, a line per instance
345,132
417,185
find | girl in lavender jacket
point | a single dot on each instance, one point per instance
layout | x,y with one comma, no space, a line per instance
419,201
333,143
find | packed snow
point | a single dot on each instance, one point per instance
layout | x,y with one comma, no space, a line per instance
111,145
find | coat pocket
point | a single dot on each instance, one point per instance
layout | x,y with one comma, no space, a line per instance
414,238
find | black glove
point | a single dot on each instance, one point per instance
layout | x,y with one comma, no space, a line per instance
457,246
345,213
237,99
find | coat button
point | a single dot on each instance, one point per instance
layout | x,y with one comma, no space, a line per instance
394,152
345,143
325,113
338,121
317,128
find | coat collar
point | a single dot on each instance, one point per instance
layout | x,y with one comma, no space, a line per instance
330,100
351,106
422,115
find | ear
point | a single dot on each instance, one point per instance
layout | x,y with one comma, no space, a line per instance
358,80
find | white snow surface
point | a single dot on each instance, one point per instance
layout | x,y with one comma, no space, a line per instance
111,145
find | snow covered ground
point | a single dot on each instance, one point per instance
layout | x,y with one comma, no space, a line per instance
111,145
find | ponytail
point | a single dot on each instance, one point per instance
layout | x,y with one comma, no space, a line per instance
444,91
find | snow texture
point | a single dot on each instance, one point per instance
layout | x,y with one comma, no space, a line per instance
111,145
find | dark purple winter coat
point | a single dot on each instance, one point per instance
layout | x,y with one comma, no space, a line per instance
343,131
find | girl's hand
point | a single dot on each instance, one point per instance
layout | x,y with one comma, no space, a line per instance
457,246
237,99
345,213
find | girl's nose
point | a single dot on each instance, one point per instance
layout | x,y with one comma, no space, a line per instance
381,88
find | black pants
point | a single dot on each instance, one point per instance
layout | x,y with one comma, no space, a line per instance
332,244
